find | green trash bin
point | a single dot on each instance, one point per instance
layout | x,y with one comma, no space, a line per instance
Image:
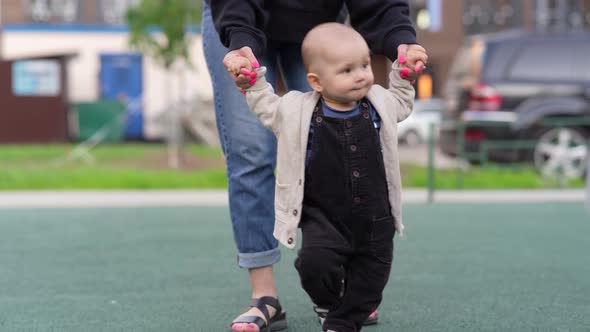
89,118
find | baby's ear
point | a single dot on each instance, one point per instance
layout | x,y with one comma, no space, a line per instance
314,82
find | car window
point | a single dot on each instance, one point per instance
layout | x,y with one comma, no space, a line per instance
548,61
497,59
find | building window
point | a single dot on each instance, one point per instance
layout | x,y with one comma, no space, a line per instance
562,15
39,78
114,11
66,11
486,16
426,14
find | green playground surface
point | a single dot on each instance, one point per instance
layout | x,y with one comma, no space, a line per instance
477,267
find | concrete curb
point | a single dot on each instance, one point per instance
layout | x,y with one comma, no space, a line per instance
163,198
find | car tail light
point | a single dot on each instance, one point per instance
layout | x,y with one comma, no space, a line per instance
484,98
474,135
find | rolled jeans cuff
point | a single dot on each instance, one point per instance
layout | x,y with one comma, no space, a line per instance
259,259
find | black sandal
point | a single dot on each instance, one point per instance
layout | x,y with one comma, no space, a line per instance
276,323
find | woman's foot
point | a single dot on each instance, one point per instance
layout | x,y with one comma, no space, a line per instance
250,327
265,314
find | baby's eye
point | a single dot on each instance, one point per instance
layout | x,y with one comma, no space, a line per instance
347,71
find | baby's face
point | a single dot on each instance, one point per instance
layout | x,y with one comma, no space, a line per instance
346,74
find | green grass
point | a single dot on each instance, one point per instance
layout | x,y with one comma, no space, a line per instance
489,177
121,166
144,166
86,177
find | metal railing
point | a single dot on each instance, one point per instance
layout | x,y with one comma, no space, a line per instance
481,155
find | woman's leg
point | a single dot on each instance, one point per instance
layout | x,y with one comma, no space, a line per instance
292,67
250,152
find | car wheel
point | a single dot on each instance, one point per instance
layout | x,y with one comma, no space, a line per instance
412,138
561,151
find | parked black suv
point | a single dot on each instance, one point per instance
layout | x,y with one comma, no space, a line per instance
507,90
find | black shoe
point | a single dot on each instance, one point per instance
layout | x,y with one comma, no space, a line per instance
323,313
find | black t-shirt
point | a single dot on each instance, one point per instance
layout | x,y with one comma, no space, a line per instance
385,24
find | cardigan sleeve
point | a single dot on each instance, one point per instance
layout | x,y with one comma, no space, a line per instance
264,102
401,93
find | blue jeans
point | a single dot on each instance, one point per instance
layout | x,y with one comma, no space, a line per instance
249,148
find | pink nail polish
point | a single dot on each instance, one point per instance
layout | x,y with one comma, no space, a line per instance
256,64
419,69
252,82
402,59
245,72
253,75
243,92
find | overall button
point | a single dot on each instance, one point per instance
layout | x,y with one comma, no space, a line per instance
316,109
366,115
353,148
348,124
356,173
365,105
318,119
295,212
290,240
357,200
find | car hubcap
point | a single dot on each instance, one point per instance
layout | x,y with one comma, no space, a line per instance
561,151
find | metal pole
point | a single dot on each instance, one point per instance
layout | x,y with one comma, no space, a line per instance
431,168
461,158
588,184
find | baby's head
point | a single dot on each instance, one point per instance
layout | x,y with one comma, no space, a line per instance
338,64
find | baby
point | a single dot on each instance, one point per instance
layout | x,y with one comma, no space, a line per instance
337,174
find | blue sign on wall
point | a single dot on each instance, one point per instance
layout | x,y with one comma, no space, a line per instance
36,78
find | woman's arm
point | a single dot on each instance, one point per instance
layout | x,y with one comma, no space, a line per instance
385,24
240,23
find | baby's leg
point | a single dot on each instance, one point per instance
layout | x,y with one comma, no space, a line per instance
321,273
367,275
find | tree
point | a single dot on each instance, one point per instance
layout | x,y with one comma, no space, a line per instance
158,28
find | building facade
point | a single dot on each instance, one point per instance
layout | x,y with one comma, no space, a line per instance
105,67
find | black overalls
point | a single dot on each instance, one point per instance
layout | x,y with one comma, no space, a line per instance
346,220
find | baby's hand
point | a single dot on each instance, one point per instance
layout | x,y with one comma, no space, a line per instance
241,67
413,59
234,63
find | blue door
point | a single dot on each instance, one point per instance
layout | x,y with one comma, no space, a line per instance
121,78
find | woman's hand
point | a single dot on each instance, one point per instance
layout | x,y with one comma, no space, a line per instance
413,59
240,64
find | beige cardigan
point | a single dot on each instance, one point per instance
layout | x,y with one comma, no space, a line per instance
289,118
